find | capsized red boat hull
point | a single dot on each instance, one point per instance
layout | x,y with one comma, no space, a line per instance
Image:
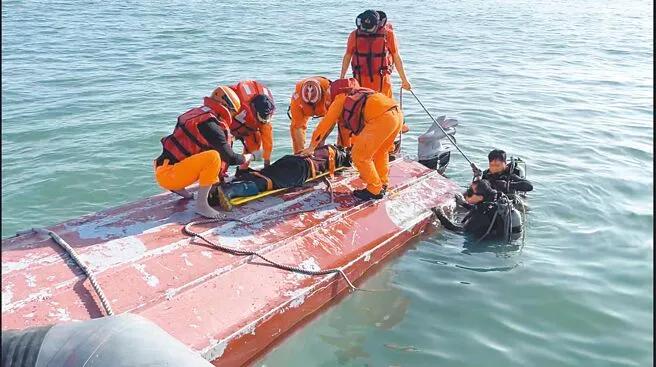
228,308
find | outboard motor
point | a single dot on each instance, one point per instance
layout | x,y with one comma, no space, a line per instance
434,148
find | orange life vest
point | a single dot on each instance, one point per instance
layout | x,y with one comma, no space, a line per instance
371,56
246,122
186,140
352,118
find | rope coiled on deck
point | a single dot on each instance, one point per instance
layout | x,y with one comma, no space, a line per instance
234,251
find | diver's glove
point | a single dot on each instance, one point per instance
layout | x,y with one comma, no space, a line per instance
501,185
477,171
460,200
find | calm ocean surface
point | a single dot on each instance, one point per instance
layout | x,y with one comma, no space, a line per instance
89,87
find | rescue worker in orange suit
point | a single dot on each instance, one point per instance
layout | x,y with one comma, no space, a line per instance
374,120
311,99
252,123
200,149
372,51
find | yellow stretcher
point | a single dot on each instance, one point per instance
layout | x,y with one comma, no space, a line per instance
247,199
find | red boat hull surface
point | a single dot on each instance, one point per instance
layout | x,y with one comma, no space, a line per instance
228,308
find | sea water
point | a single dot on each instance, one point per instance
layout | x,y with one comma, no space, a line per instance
89,88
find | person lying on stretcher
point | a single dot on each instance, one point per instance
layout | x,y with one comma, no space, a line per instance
288,171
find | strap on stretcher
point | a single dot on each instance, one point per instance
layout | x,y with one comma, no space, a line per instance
246,199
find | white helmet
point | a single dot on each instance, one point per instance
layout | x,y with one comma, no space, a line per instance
311,91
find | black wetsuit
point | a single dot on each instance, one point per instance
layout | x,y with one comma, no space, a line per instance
288,171
293,170
479,217
477,221
499,181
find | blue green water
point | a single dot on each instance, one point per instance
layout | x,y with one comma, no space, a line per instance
89,87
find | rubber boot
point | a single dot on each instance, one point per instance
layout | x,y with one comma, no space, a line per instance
224,200
364,194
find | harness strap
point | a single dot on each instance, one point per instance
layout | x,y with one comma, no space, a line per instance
371,35
268,180
331,162
313,169
243,125
180,147
370,53
192,137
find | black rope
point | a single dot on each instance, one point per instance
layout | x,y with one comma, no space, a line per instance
234,251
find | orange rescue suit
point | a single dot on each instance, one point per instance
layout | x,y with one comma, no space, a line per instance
382,121
245,125
300,112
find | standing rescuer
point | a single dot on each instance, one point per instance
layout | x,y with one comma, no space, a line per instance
200,149
311,98
252,123
372,51
374,120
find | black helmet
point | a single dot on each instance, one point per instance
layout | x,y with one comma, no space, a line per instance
264,108
368,21
382,18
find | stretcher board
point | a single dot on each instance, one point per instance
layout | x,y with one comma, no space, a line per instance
247,199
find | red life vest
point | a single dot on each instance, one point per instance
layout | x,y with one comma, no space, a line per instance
342,86
371,56
246,122
352,118
186,140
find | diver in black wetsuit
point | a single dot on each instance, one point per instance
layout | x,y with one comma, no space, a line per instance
483,219
288,171
500,177
489,200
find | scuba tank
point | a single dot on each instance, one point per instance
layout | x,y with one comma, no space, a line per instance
516,222
518,166
511,217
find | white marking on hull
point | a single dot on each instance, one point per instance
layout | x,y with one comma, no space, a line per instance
114,252
61,314
7,295
30,279
150,279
